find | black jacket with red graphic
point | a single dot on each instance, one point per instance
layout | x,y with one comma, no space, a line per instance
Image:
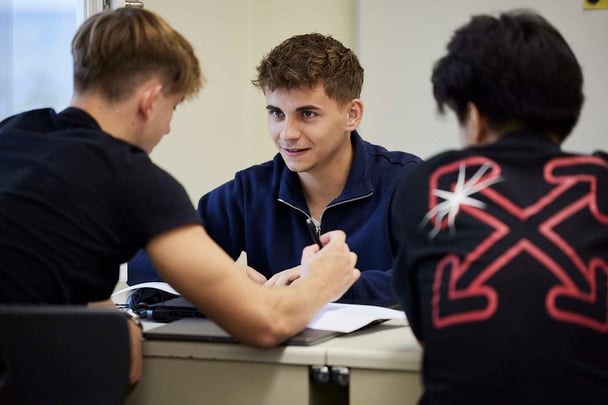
501,264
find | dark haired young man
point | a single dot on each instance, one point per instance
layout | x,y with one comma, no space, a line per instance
501,263
324,172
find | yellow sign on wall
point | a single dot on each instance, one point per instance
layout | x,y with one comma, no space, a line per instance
595,4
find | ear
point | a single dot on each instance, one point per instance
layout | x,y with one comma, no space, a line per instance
476,129
150,92
354,109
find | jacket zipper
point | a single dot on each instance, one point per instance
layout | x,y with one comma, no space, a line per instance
325,209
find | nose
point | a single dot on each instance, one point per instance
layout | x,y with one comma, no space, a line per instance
290,130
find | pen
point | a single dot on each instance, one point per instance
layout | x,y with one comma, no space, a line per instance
313,232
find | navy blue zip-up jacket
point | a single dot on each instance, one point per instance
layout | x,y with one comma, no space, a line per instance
262,212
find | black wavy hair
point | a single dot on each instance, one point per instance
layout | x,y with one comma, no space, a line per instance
516,69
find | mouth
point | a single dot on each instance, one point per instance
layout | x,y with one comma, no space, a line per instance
294,151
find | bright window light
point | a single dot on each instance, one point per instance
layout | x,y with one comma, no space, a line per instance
36,67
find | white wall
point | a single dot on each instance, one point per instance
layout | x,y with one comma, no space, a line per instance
224,129
399,40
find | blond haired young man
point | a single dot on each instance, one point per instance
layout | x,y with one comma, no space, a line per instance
79,194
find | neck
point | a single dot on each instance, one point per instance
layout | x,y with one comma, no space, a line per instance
116,119
322,185
494,136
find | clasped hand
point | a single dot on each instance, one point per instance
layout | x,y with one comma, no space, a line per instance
334,256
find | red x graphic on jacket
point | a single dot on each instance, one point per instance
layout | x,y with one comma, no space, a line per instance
574,184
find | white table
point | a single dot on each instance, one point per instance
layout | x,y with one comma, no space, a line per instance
381,364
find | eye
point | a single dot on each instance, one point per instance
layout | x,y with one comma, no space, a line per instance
309,114
276,113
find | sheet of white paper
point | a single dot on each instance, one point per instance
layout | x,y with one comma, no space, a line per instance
347,318
121,296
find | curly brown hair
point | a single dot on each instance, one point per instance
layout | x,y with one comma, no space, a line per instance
310,59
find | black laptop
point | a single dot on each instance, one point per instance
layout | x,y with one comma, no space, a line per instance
161,306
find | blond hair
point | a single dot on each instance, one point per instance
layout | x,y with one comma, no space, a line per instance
114,51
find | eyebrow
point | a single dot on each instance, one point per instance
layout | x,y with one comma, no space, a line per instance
299,109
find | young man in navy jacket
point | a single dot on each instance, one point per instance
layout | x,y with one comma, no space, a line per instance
324,172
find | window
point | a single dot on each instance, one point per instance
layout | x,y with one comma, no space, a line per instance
35,62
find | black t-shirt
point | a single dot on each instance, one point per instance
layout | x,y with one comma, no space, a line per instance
76,202
502,268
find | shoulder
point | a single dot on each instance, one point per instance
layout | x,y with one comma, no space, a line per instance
601,154
140,179
134,170
420,172
42,119
261,169
266,172
381,155
256,178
